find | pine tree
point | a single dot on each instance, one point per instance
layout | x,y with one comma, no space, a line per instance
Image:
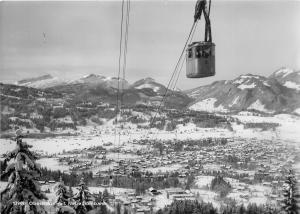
126,211
158,212
83,199
196,210
70,191
23,186
242,209
99,198
118,208
102,209
290,194
61,193
105,196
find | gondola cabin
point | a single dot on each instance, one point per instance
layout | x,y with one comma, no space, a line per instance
200,60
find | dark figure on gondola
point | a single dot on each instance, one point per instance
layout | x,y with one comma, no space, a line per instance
201,6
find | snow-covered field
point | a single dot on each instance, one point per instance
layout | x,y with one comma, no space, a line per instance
203,181
87,139
208,105
169,168
162,200
293,85
207,196
288,130
53,164
89,136
257,105
241,192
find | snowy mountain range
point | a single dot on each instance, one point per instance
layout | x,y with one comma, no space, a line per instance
44,81
48,81
277,93
288,78
149,83
97,87
280,92
92,80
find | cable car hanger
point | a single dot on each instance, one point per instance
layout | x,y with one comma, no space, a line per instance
196,67
200,56
201,6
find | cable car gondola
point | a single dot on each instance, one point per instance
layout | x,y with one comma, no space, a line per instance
200,56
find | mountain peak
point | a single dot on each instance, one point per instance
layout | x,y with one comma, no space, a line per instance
287,77
248,79
144,81
278,93
149,83
250,76
44,81
92,76
148,79
34,79
282,72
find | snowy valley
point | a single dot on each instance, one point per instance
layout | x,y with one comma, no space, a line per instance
146,156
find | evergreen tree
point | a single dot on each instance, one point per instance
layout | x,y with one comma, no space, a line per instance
105,196
61,193
218,184
196,210
63,198
83,199
99,198
242,209
189,182
158,212
23,186
102,209
118,208
290,194
70,191
126,211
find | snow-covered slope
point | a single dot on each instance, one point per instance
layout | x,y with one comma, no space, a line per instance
278,93
95,79
152,91
94,86
45,81
288,78
208,105
149,83
48,81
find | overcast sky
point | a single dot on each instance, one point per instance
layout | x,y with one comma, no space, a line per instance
255,37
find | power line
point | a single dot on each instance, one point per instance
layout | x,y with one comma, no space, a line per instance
123,61
173,74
